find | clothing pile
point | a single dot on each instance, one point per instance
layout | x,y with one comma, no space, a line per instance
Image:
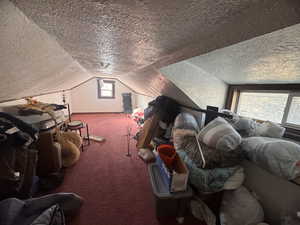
264,144
46,210
18,157
213,156
212,153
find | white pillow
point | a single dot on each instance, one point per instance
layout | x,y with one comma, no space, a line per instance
278,156
269,129
220,134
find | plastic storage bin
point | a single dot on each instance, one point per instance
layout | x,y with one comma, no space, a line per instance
168,204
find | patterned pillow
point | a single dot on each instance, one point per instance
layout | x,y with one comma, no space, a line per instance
220,134
187,121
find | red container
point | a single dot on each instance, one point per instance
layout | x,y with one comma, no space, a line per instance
168,154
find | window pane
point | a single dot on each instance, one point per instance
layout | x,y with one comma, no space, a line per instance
263,106
105,93
294,112
107,86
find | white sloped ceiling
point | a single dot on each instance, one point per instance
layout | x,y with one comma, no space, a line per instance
31,62
127,39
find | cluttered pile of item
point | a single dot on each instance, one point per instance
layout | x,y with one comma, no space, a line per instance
198,164
32,157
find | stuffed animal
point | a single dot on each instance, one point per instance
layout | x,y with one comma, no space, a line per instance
70,143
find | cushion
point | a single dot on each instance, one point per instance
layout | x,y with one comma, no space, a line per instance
186,120
220,134
239,207
278,156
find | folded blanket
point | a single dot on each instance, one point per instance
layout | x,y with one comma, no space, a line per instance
206,180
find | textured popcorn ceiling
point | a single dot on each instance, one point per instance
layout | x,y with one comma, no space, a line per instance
271,58
129,39
118,36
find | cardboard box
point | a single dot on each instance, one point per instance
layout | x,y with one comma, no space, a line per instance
177,178
147,132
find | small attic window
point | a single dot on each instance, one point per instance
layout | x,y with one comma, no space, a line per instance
106,88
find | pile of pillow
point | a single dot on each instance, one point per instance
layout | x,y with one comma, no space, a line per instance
248,127
217,143
278,156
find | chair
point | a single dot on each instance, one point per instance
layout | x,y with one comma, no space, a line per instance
77,125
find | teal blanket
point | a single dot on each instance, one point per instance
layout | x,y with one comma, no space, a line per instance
206,180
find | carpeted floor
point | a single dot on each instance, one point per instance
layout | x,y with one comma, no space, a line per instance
116,188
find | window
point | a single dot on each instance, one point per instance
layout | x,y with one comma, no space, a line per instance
279,107
293,114
262,105
106,88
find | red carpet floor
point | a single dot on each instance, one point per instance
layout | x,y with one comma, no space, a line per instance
116,188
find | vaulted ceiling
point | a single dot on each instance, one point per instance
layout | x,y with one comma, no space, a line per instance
50,45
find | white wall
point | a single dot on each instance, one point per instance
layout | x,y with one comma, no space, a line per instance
85,98
203,88
55,98
143,100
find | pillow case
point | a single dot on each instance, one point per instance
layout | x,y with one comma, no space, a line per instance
187,121
278,156
220,134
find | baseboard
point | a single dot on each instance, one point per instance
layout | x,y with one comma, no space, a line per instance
78,113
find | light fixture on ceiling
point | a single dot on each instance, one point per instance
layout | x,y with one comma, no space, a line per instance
104,65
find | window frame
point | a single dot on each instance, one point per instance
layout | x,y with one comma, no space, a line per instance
287,110
100,88
293,90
